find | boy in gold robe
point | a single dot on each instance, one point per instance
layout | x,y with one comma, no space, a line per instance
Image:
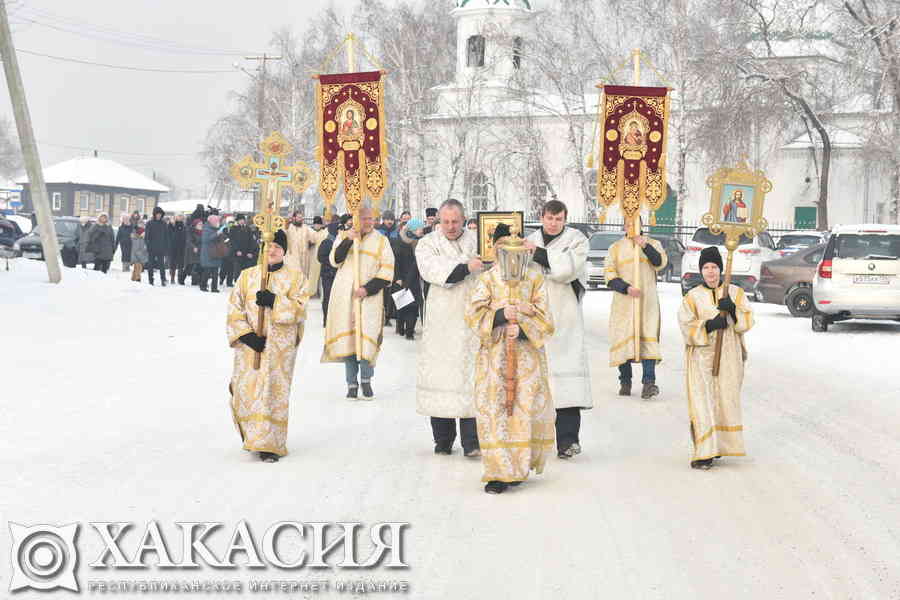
714,403
259,397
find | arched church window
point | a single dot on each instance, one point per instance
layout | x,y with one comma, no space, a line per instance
517,52
475,51
478,191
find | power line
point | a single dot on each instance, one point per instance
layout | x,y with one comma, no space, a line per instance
90,30
92,148
124,67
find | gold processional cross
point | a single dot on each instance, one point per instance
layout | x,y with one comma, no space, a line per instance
272,176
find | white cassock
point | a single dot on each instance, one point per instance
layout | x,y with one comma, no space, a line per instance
570,381
445,384
300,239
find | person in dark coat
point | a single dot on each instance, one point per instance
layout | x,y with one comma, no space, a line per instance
102,243
177,233
244,245
156,234
192,237
328,272
84,238
226,273
406,275
209,263
123,241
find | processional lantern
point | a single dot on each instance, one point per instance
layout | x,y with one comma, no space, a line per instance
513,258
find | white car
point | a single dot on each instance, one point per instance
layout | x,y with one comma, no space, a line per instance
859,275
597,251
746,263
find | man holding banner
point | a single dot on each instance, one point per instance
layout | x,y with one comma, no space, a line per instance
376,272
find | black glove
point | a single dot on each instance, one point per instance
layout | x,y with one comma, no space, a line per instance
265,298
253,341
727,304
718,322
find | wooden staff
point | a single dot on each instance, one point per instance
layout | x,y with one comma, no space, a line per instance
727,282
636,308
511,358
268,235
357,304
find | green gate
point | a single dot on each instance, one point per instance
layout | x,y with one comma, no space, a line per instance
804,217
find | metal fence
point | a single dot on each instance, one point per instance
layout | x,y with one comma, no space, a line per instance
683,232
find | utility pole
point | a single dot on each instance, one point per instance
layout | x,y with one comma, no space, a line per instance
29,149
260,112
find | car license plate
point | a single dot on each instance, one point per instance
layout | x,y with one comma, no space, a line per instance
868,279
31,254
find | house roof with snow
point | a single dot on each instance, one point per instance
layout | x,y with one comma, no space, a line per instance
99,172
840,138
9,186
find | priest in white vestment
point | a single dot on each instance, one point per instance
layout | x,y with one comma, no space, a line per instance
560,253
301,239
448,261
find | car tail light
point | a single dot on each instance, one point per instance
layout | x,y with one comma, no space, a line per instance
752,251
766,273
694,248
751,279
825,269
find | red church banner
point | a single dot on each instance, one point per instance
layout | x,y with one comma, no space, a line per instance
351,130
633,140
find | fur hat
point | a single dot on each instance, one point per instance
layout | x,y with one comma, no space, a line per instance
430,212
500,231
318,221
710,254
281,239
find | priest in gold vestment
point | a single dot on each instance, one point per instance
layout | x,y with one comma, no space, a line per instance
512,445
259,397
376,273
714,403
619,273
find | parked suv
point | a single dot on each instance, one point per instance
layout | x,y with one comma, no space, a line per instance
788,280
597,251
859,276
746,263
68,231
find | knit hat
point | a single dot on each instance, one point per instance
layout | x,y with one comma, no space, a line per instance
710,254
281,240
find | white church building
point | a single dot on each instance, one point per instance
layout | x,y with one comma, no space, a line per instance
494,147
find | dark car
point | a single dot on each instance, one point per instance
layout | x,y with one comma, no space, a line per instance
674,250
788,280
9,232
67,232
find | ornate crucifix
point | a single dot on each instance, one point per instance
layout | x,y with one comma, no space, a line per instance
271,175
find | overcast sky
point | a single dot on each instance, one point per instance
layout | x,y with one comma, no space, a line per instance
166,114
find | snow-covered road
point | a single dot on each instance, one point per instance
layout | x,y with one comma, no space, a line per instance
115,409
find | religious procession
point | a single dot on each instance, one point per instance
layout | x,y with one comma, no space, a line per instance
504,310
580,256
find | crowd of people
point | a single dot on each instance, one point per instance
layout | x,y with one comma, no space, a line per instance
504,367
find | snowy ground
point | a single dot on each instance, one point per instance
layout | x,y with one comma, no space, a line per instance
114,409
